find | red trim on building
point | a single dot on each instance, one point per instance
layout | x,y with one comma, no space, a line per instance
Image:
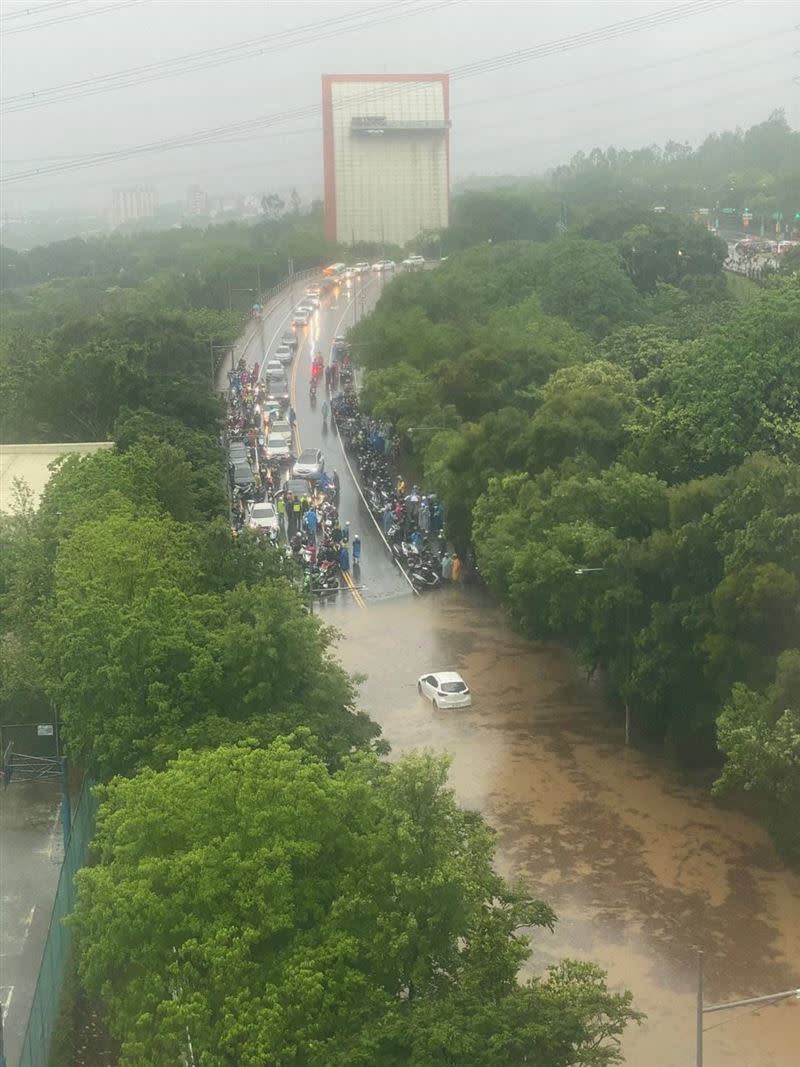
328,161
328,151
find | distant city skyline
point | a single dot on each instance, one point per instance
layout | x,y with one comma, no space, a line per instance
716,67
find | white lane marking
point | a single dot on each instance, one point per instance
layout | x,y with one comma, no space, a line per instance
280,328
357,484
6,1001
27,921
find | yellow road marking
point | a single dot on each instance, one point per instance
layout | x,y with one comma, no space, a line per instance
356,593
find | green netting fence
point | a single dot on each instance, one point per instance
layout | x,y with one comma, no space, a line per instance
58,946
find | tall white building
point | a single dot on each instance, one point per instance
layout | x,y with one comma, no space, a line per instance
127,204
386,151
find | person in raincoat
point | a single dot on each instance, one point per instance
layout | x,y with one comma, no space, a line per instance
356,549
447,567
456,568
344,559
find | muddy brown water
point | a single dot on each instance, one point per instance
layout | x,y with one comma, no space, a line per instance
641,865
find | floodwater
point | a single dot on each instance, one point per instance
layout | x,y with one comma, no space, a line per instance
641,865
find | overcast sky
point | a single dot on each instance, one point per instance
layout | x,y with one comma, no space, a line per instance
730,64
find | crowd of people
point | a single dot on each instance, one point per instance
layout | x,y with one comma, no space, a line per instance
307,514
412,521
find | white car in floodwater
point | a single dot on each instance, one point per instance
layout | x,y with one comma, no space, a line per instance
445,689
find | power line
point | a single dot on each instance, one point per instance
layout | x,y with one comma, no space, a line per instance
253,47
72,17
594,103
685,58
483,66
42,9
741,91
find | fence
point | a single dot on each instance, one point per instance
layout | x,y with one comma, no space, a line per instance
57,948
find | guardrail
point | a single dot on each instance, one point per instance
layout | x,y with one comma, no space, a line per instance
252,328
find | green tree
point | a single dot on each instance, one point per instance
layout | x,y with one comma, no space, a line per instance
759,733
734,392
585,283
589,408
142,662
276,912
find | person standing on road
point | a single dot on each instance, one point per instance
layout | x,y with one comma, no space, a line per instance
292,417
424,517
311,522
344,559
346,534
456,568
325,410
388,518
447,567
280,507
356,549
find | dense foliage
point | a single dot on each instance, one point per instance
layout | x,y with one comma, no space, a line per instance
264,886
618,442
271,911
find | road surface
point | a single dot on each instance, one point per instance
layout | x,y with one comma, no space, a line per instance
378,577
30,859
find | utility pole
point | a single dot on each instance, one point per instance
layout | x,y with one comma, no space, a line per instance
699,1020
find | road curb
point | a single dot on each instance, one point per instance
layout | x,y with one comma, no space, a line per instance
357,484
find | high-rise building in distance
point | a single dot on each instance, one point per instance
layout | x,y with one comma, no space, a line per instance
127,204
386,151
196,201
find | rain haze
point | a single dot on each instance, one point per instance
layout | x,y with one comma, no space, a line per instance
703,66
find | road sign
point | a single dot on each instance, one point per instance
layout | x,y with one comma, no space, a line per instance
44,729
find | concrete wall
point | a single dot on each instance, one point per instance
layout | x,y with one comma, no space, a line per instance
30,464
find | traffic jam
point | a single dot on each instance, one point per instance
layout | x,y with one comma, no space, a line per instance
285,494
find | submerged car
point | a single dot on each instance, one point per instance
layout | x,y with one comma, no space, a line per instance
445,689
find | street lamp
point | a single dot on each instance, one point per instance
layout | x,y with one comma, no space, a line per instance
702,1010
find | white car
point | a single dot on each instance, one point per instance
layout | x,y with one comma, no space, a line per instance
311,300
279,446
301,317
414,263
383,265
263,517
310,464
445,689
284,353
273,366
361,268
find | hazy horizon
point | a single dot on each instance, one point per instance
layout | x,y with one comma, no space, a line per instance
721,66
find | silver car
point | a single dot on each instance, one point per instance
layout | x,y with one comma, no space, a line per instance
309,464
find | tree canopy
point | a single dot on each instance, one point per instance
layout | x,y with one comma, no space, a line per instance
269,910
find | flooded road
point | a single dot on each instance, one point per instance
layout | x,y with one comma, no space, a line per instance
640,864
